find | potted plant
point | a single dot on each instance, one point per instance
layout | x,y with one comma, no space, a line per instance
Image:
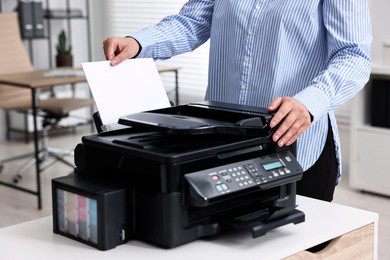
64,56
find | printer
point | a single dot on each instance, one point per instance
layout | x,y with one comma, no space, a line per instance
178,174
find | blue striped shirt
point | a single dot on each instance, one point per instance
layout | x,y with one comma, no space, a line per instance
317,51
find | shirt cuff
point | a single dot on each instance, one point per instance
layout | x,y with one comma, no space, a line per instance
147,42
315,100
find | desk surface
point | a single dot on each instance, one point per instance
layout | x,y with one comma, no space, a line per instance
165,68
38,78
324,221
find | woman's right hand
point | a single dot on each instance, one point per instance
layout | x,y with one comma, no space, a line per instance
117,50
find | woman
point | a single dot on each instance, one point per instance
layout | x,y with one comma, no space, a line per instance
301,59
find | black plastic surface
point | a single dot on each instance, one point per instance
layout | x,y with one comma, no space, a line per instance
203,118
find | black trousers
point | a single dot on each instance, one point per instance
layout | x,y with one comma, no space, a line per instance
319,181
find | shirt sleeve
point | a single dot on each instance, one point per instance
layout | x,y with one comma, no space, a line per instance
348,66
178,33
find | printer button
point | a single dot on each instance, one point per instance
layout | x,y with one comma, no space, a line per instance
219,188
227,177
222,172
224,186
215,177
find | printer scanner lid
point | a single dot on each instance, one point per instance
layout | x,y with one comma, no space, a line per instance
203,118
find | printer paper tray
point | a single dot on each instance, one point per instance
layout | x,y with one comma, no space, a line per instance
258,223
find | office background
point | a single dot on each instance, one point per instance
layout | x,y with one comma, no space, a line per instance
122,17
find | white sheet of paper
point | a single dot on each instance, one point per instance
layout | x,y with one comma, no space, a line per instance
130,87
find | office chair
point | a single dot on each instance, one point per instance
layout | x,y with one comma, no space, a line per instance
15,59
52,110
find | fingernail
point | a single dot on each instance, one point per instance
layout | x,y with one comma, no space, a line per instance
113,62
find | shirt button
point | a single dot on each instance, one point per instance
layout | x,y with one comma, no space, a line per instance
246,59
250,32
243,85
257,7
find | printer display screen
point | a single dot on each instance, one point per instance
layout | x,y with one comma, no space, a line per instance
272,165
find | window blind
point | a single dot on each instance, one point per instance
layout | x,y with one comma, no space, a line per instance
126,17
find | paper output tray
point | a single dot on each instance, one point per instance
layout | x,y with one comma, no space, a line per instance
203,118
259,226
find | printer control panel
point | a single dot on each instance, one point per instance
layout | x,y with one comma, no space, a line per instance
263,172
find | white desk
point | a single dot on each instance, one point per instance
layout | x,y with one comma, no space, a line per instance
324,221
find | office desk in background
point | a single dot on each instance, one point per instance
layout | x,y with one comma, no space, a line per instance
354,233
175,70
37,81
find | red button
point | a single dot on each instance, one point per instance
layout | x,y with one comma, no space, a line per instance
215,178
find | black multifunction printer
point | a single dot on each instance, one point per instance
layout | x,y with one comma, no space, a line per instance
176,175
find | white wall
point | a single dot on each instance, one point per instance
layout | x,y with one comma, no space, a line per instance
380,17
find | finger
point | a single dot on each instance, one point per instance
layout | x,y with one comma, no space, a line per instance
290,137
119,58
286,125
300,125
284,109
109,48
275,104
127,48
290,134
295,136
